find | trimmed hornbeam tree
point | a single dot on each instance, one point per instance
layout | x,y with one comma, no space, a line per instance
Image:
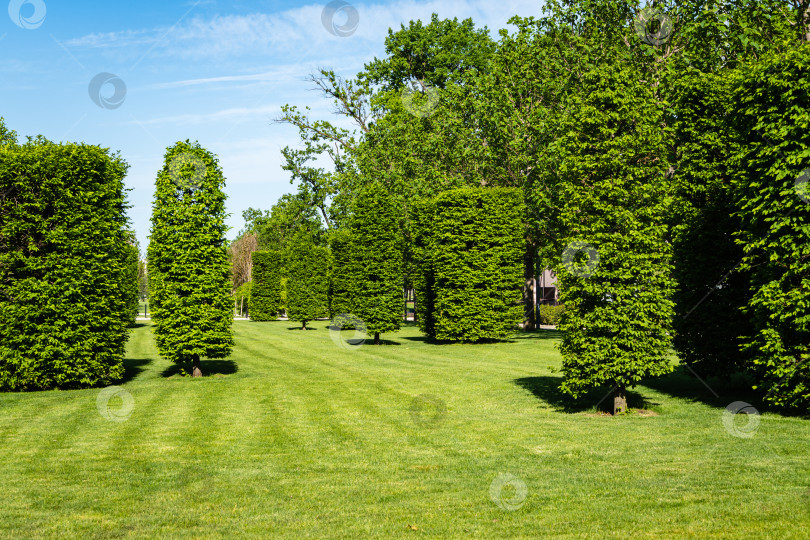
66,278
189,272
615,268
376,275
478,241
340,277
307,267
772,112
265,294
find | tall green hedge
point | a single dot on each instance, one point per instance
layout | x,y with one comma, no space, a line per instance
64,266
771,118
340,276
376,279
307,268
420,264
475,261
711,287
265,294
615,269
189,271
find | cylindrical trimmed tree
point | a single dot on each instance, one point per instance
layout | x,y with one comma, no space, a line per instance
65,265
340,276
188,259
376,275
477,261
615,269
772,183
265,293
306,266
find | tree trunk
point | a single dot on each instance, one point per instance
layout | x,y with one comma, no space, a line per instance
303,325
376,338
619,401
195,366
529,309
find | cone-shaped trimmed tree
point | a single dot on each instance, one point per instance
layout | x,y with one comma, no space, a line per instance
376,276
265,294
188,259
307,280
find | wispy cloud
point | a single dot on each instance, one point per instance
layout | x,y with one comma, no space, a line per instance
262,33
225,115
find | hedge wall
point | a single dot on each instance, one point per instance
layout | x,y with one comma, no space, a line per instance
376,255
476,263
64,266
265,294
340,269
307,280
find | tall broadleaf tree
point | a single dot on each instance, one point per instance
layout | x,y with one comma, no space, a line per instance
189,270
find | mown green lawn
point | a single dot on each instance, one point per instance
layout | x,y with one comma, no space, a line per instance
296,436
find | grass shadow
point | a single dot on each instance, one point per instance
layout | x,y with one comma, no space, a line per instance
541,333
208,367
713,391
547,389
134,367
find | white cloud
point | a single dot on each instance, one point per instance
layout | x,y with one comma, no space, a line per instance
299,29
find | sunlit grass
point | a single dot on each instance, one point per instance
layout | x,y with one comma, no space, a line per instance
297,436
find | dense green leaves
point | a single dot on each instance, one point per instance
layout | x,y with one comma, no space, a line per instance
265,294
306,267
188,260
472,264
772,114
375,276
66,278
615,273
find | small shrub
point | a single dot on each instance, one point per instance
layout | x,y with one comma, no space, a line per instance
549,315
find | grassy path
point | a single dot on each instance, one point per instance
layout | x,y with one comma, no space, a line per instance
295,436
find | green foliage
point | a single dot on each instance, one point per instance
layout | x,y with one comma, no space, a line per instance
131,286
265,295
772,112
275,228
340,275
477,260
188,260
241,298
375,262
711,288
613,198
420,265
65,266
549,315
307,268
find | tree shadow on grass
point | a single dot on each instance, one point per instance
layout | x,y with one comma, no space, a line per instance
548,390
208,367
541,333
713,391
133,367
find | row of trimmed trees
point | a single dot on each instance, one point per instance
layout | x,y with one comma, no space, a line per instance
70,271
466,265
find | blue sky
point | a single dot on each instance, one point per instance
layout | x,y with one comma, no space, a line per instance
217,72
